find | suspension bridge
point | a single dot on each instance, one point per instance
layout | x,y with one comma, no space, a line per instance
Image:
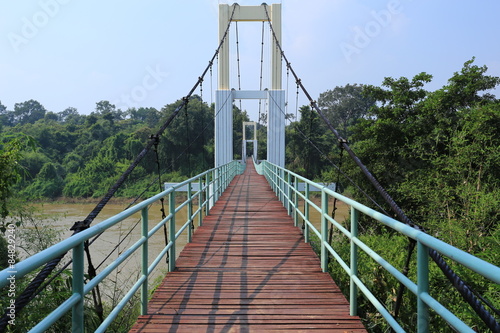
248,265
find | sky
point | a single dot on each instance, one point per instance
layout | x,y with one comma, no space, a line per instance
149,53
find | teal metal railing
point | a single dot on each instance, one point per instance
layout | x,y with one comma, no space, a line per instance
284,183
211,185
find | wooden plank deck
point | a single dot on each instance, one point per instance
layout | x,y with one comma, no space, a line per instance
248,270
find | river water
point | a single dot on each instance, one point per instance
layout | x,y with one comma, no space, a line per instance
117,239
106,249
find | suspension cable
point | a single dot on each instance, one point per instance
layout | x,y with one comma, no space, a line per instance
287,96
23,299
188,142
296,101
201,89
325,156
96,292
238,58
211,86
203,140
337,182
261,69
456,281
160,187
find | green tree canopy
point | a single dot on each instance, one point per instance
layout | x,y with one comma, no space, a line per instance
10,173
344,106
28,112
435,149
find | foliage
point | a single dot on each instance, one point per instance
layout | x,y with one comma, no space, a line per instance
437,154
188,139
345,106
82,155
36,232
307,144
413,138
28,112
4,259
10,173
33,235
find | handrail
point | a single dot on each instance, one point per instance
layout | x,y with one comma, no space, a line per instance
283,182
211,185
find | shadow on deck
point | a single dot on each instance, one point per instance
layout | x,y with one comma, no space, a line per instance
248,269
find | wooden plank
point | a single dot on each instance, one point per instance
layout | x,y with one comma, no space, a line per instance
248,270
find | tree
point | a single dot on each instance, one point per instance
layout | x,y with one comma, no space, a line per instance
239,116
188,136
382,139
48,183
436,153
28,112
344,106
457,194
307,142
149,116
108,111
104,107
10,154
70,115
93,179
411,141
6,117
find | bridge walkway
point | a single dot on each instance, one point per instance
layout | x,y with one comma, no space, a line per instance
246,270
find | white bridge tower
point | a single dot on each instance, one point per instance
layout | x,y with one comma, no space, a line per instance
225,96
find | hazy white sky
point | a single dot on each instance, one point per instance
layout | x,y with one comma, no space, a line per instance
150,53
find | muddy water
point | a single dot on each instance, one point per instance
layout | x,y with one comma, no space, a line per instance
119,238
106,249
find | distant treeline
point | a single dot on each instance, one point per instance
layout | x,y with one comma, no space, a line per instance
81,156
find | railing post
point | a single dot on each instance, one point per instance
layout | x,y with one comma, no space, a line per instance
78,284
423,287
223,182
266,170
216,178
171,231
190,213
200,201
214,184
207,193
324,231
353,293
275,180
282,186
295,202
216,181
288,193
271,177
306,213
226,168
144,266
